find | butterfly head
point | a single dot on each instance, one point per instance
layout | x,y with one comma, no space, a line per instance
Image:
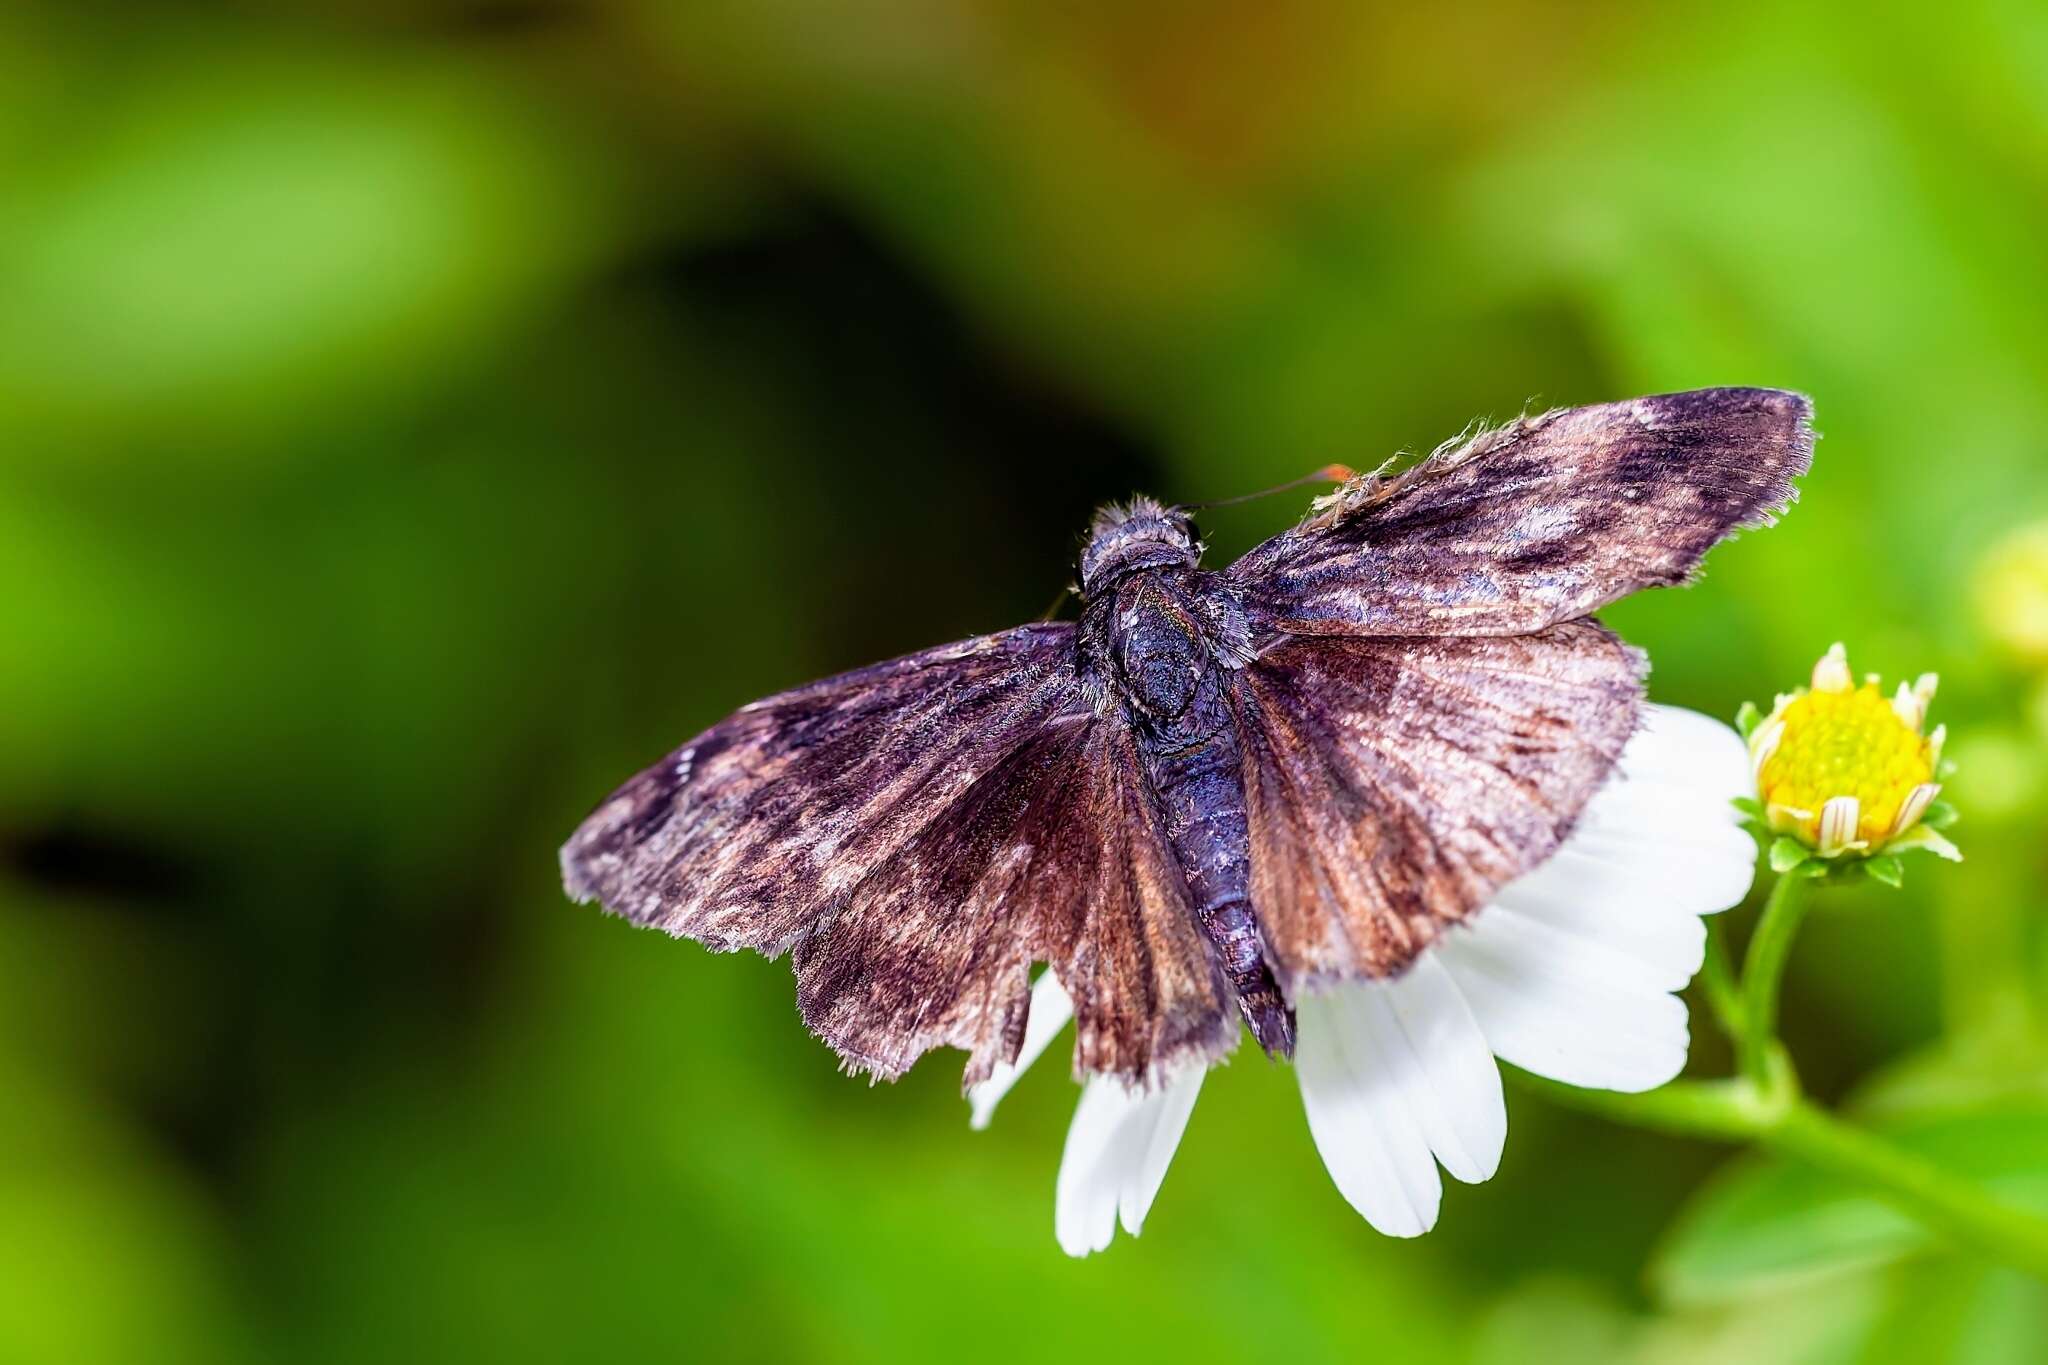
1139,534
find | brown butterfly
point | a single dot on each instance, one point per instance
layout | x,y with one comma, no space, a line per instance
1216,790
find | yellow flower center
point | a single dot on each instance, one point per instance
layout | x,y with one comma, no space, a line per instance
1845,744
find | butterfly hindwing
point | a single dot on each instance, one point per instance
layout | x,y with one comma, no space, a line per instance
1055,855
1546,519
1147,988
1392,786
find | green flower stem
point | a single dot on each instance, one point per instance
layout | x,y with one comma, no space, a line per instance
1763,968
1726,1110
1717,976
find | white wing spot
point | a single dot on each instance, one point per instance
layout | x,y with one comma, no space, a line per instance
1546,523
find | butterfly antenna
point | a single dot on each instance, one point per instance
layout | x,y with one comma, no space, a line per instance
1329,473
1052,612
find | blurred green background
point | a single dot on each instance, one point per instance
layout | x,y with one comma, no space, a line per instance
416,415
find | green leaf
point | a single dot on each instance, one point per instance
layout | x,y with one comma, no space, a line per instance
1786,854
1886,868
1961,1311
245,248
1768,1223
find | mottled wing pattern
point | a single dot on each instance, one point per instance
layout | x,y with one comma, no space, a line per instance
1392,786
745,835
1546,519
1054,855
919,833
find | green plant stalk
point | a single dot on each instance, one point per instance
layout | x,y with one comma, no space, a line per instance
1727,1111
1717,977
1763,969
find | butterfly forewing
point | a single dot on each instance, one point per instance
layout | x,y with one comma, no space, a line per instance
742,837
1394,785
1546,519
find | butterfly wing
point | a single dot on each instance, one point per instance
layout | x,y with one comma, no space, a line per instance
1392,786
743,837
1544,520
1056,855
919,833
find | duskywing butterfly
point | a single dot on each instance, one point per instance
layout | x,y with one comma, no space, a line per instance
1215,790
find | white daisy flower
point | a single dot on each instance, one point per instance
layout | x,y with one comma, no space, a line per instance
1571,972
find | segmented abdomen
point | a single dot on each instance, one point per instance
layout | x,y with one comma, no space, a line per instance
1201,795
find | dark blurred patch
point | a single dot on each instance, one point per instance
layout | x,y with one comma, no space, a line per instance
947,472
73,856
514,18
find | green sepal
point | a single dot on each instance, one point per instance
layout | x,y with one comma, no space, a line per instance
1925,838
1749,806
1940,815
1886,868
1787,854
1748,718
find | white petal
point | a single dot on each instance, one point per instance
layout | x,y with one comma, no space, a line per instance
1908,707
1569,972
1390,1073
1560,1009
1051,1008
1117,1152
1762,745
1914,806
1687,750
1838,820
1631,808
1831,674
1666,950
1156,1135
1454,1085
1650,876
1657,846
